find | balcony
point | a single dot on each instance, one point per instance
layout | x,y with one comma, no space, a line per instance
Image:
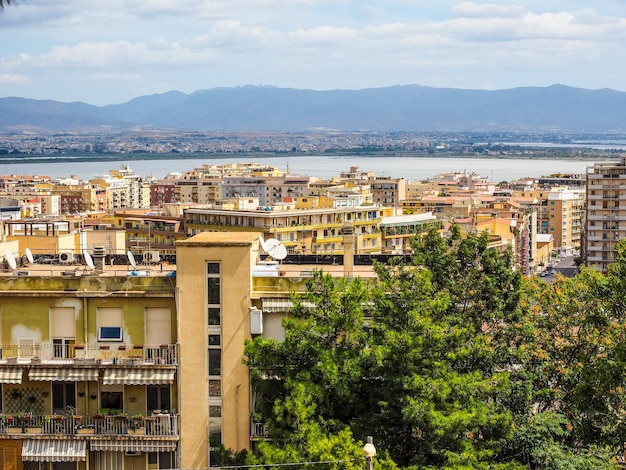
155,425
258,430
89,354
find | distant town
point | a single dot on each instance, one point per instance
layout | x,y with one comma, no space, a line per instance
539,218
168,144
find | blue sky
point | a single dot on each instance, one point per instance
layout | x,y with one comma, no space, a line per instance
104,52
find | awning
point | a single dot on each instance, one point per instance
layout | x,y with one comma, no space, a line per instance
135,376
44,450
11,375
274,305
63,375
135,445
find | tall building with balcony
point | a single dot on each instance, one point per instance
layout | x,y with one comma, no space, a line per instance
605,221
88,371
303,231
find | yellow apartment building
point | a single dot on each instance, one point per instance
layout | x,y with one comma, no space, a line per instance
304,231
88,370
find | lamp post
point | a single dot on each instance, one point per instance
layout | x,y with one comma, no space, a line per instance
369,451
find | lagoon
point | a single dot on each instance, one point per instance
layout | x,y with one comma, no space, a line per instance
410,168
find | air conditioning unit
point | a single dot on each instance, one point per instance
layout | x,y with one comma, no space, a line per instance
152,256
66,257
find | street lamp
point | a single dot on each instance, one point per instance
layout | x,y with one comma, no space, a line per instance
369,451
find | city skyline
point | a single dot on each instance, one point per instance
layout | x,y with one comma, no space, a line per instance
110,52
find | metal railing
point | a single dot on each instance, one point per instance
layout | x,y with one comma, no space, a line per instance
258,430
68,352
155,425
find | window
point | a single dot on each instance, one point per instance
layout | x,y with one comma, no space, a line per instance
160,460
110,333
110,323
158,397
63,395
215,362
63,331
215,388
214,293
112,396
63,347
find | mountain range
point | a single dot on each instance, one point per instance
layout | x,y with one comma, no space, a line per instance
556,108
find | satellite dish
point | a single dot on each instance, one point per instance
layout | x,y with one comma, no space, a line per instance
88,260
11,260
274,248
29,256
263,243
131,259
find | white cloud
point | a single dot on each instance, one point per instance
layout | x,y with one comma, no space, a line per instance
486,10
195,44
12,78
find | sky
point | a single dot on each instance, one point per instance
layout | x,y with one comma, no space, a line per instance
110,51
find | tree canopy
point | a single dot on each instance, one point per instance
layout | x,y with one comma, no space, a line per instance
452,361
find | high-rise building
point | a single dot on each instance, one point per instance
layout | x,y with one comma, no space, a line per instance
605,221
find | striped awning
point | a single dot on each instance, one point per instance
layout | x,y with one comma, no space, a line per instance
141,445
274,305
135,376
46,450
11,375
63,375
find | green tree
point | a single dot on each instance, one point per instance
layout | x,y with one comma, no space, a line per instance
453,361
569,384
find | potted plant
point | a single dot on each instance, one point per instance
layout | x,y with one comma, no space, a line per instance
23,416
136,425
33,429
85,429
118,414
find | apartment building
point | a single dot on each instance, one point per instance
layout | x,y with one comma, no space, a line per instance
88,371
560,213
269,189
387,191
605,213
303,231
149,236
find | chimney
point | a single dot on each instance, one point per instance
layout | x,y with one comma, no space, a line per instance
348,250
99,253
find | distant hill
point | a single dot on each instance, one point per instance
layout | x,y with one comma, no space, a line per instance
556,108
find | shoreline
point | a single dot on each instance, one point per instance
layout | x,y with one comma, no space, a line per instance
573,155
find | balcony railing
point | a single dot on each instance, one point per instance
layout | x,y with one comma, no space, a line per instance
156,425
66,353
258,430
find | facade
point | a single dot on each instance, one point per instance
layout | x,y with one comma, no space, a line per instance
88,372
605,212
305,231
224,298
565,218
560,213
146,235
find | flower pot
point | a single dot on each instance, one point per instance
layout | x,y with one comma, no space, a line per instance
85,431
14,430
34,430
